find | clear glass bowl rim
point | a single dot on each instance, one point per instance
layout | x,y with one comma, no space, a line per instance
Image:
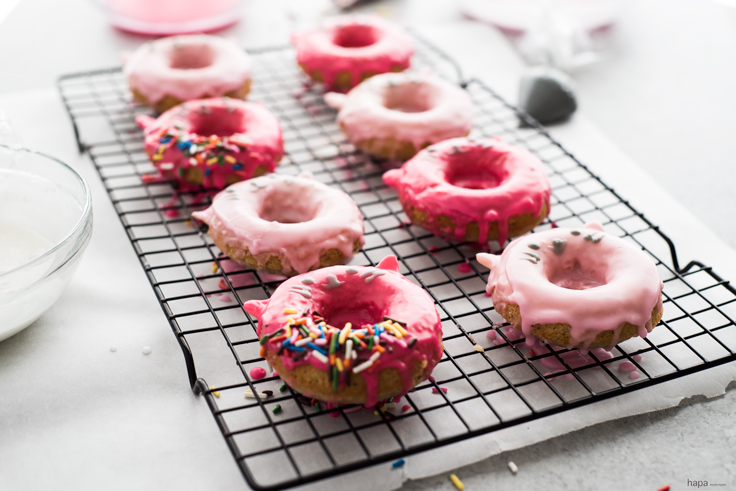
84,217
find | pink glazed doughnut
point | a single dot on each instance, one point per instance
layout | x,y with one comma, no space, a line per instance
345,50
284,224
394,115
350,334
575,288
213,142
168,71
473,190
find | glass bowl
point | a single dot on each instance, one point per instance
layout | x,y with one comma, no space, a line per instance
45,226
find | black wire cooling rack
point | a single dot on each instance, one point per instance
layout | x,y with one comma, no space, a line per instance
481,384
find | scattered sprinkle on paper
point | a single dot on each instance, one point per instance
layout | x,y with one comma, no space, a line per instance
147,350
113,348
398,463
514,468
457,482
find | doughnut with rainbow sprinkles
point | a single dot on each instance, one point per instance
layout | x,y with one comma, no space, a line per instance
350,334
213,142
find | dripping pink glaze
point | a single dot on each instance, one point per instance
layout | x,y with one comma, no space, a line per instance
344,44
187,67
406,107
359,301
619,283
493,181
296,218
247,136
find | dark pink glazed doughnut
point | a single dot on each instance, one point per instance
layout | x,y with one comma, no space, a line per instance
473,190
213,142
345,50
350,334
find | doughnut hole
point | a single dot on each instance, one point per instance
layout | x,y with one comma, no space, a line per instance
357,314
192,57
355,36
409,98
275,208
218,122
573,275
470,173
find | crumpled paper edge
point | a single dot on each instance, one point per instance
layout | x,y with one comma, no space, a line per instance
709,383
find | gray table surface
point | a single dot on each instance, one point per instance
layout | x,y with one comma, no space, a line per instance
665,96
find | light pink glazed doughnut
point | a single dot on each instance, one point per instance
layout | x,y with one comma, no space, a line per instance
473,190
395,115
168,71
576,288
213,142
345,50
350,334
284,224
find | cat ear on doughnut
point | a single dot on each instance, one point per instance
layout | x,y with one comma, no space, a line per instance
490,261
335,100
255,307
144,121
389,263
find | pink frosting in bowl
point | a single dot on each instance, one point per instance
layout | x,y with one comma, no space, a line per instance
585,278
472,181
357,322
344,50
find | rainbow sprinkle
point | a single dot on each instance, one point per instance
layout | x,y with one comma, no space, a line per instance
344,351
457,482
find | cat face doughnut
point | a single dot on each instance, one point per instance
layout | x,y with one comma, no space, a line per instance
393,116
169,71
345,50
473,190
213,142
284,224
575,288
350,334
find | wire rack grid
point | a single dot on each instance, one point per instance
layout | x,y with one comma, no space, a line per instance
488,378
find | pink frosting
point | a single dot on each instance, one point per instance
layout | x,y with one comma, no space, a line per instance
226,139
295,218
585,277
359,295
421,109
187,67
472,180
357,45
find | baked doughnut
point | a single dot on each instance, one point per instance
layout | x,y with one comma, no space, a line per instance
345,50
213,142
393,116
575,288
169,71
350,334
284,224
473,190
